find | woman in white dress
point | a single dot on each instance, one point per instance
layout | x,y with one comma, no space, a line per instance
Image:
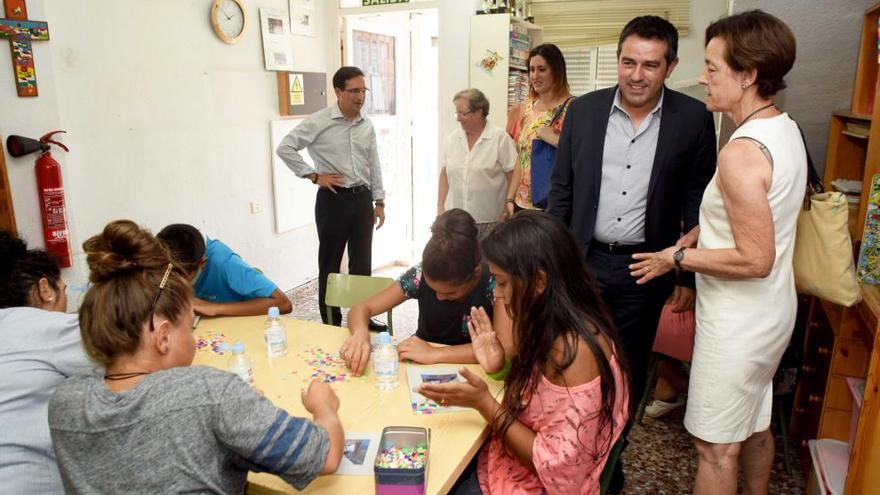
741,252
477,164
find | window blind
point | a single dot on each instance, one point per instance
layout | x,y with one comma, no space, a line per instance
581,23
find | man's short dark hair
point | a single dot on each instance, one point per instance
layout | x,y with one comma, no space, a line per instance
185,243
344,74
652,27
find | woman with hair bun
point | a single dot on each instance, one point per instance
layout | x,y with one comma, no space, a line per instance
450,280
41,348
152,423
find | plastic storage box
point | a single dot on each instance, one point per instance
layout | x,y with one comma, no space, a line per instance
830,465
857,389
401,466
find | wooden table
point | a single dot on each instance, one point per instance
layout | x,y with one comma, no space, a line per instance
455,437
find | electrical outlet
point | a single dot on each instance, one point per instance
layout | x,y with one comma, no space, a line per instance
256,207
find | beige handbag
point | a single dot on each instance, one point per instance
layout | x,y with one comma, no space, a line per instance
823,259
823,253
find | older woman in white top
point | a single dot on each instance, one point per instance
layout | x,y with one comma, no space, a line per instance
477,164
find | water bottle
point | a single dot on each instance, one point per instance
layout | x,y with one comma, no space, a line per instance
275,334
385,363
241,365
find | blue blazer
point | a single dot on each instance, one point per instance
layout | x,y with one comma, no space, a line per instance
684,163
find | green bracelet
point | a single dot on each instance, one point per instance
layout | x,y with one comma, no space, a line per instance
502,373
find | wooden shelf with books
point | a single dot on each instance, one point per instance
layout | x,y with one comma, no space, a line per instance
848,139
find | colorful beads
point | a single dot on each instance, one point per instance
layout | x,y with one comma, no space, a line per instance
211,341
425,407
327,367
403,457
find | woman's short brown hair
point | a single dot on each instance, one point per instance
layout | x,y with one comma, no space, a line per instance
756,40
127,265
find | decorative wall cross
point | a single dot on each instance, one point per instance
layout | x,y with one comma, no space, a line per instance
20,32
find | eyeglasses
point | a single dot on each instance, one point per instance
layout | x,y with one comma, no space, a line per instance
357,91
462,114
159,293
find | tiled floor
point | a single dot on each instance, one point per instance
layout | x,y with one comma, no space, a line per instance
660,458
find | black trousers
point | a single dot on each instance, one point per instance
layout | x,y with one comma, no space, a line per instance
343,218
636,311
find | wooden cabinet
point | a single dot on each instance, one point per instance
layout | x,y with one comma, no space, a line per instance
499,46
841,342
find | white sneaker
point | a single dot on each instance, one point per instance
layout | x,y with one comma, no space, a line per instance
659,408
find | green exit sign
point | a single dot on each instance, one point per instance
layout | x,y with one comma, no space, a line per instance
370,3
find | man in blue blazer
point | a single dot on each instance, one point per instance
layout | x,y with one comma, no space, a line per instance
631,167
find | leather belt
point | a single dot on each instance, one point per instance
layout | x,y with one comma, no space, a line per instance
352,189
619,248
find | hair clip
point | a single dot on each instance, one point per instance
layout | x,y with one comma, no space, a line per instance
165,277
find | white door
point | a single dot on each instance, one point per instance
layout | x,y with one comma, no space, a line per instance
379,45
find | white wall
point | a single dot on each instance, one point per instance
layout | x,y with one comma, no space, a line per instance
690,47
821,80
166,124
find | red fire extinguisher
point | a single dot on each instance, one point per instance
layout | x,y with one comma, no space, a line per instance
50,190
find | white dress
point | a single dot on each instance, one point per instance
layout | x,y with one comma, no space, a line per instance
744,325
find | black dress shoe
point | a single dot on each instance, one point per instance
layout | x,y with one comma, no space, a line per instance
377,326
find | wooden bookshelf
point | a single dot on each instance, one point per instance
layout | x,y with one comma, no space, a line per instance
865,87
841,342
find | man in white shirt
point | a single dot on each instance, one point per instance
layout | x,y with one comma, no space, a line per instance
342,144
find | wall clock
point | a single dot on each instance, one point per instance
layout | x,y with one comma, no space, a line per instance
229,20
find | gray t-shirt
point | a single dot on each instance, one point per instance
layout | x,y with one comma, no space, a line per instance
184,430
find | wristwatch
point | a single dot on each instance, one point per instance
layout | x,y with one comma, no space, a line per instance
678,257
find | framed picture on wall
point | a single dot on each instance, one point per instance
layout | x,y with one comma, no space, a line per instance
276,39
375,53
302,17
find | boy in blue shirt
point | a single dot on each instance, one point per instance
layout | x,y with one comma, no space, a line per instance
224,284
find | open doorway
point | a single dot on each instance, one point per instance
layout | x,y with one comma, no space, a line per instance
398,53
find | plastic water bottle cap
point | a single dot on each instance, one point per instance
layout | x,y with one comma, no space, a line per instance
384,338
273,312
238,348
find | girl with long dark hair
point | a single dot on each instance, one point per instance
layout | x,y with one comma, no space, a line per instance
566,393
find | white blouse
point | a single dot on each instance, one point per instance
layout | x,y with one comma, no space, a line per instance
477,177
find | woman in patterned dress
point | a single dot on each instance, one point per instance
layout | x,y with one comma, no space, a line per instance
548,90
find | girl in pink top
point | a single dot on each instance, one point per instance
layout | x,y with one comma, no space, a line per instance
565,400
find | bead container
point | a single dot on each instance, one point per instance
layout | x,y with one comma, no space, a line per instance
401,466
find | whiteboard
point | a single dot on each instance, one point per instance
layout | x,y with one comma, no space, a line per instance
294,197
